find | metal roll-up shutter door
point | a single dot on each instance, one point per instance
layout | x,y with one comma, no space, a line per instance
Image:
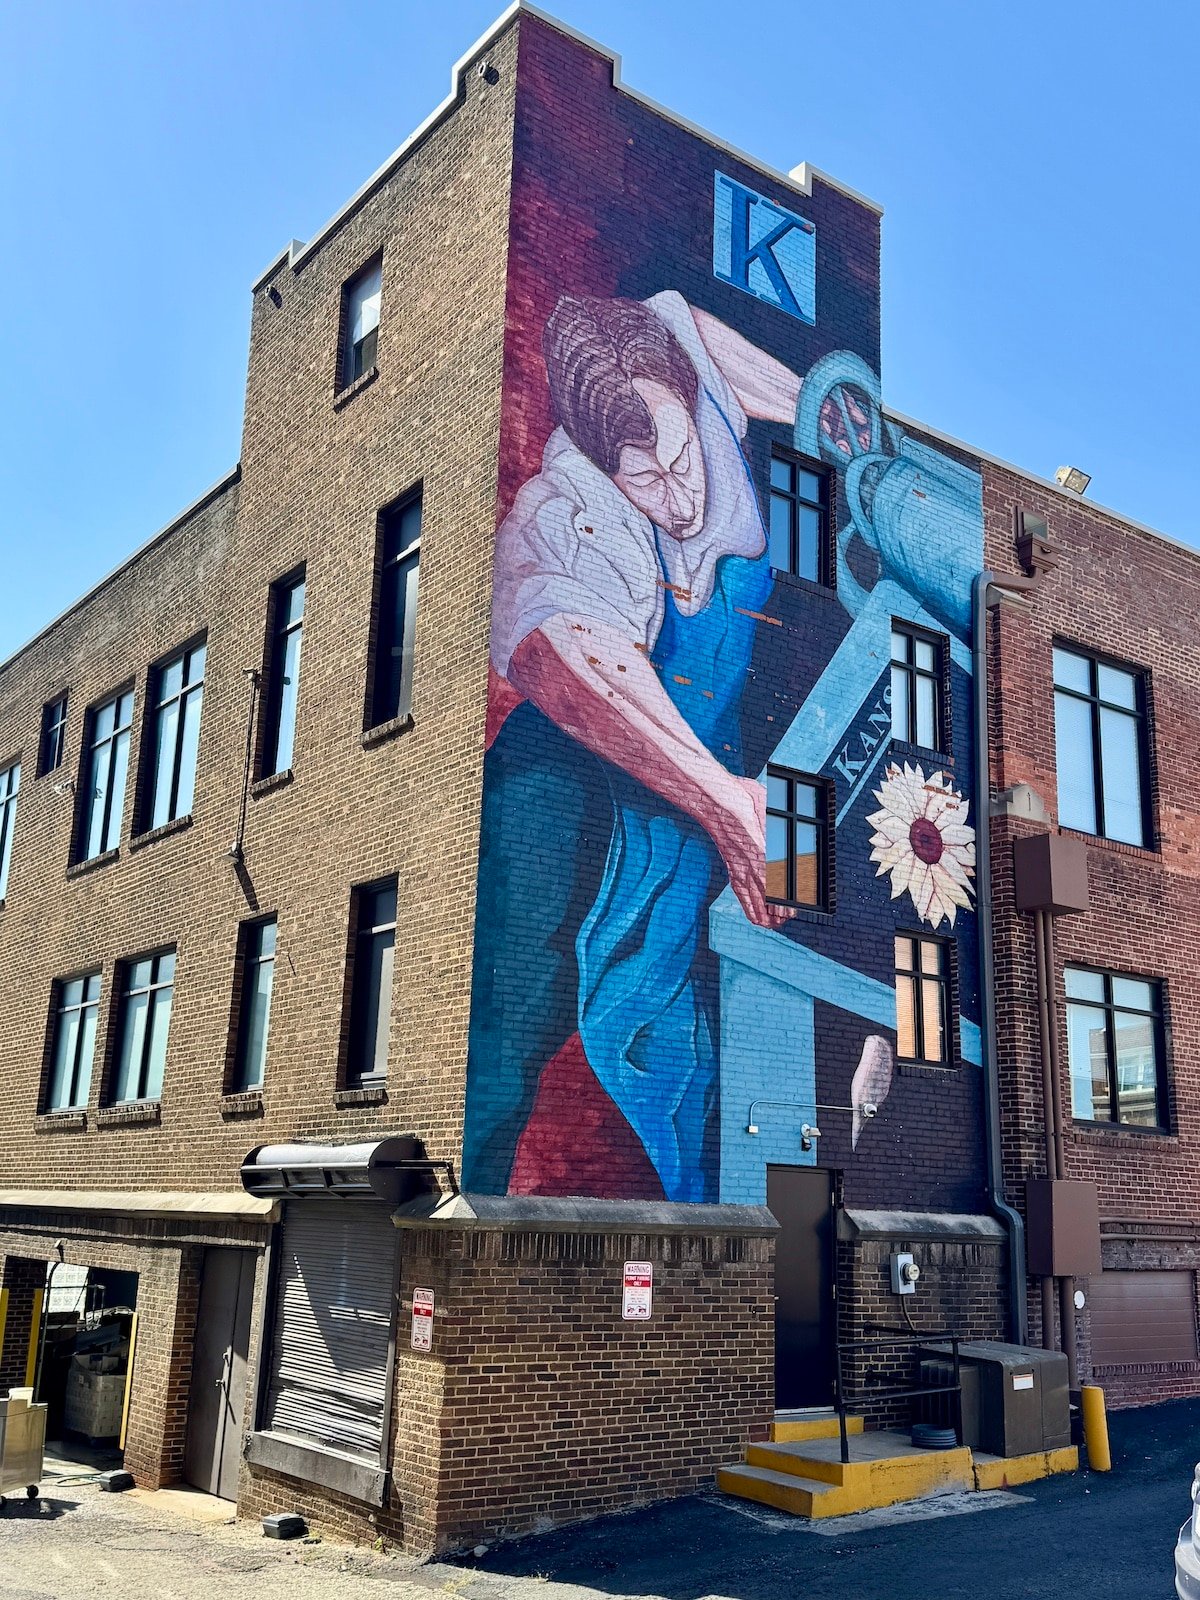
333,1324
1140,1317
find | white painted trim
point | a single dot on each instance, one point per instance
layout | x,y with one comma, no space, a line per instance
231,1203
799,179
1129,523
201,500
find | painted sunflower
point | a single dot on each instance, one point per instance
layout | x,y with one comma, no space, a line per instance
922,839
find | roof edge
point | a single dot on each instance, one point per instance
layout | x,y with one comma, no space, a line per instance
800,178
209,495
1043,483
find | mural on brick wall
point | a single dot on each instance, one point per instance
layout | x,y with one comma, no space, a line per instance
699,836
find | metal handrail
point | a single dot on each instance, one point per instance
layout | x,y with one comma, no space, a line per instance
894,1339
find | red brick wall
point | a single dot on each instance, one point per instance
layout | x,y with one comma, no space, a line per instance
1124,593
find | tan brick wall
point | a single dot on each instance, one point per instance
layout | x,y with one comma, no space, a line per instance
312,481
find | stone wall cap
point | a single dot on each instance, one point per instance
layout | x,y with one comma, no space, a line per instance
142,1202
546,1214
856,1224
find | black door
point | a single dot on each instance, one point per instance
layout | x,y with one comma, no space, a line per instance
801,1201
218,1393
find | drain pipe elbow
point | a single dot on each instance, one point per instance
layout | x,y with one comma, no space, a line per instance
1012,1220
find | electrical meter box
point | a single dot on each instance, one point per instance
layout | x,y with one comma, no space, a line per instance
1016,1401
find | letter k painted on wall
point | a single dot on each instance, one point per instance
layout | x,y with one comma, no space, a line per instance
763,250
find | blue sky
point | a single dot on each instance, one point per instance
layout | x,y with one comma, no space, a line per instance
1035,162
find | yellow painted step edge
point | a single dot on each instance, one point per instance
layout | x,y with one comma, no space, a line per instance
777,1459
797,1501
1007,1472
785,1432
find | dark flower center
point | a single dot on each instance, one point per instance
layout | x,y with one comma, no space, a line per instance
926,841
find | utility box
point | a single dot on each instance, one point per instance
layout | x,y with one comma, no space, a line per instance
1050,874
1062,1228
1016,1402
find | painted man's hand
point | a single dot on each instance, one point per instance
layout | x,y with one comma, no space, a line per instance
741,838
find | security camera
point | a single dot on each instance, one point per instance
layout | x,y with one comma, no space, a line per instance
64,786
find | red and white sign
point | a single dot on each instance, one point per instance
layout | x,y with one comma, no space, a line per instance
422,1319
637,1300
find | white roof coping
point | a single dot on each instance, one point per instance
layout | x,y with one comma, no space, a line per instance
177,521
1042,483
800,178
234,1203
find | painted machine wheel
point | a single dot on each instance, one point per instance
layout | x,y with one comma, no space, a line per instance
839,418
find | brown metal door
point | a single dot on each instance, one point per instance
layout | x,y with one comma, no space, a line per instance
801,1201
219,1353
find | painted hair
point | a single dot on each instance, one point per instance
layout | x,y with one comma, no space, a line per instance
594,350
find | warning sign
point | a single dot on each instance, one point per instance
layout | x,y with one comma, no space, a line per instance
639,1291
422,1319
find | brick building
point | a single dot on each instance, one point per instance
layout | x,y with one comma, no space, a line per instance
614,908
1092,670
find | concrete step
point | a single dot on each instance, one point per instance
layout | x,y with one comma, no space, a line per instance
784,1491
884,1470
797,1460
795,1427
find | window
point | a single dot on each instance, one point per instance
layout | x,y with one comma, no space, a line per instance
371,978
400,555
178,690
143,1022
76,1008
254,1002
106,765
361,301
54,735
10,783
1099,716
1114,1046
922,1000
797,839
916,688
799,517
283,674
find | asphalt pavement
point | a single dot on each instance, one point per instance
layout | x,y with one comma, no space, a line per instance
1104,1536
1110,1537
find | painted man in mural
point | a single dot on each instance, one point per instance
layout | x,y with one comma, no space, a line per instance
630,574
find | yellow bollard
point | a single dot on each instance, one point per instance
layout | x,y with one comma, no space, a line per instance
1095,1428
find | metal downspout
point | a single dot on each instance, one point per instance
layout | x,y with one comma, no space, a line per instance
987,994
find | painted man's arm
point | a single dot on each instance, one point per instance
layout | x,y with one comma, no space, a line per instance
589,679
764,386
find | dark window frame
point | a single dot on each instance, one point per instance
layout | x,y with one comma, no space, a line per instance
88,748
821,824
358,1003
944,977
240,1010
52,746
10,794
936,675
58,1009
355,361
389,572
1141,718
796,464
275,645
155,707
1162,1086
122,993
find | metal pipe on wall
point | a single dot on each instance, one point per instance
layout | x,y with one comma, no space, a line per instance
1066,1286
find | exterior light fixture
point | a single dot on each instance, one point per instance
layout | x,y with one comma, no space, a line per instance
866,1109
1073,478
